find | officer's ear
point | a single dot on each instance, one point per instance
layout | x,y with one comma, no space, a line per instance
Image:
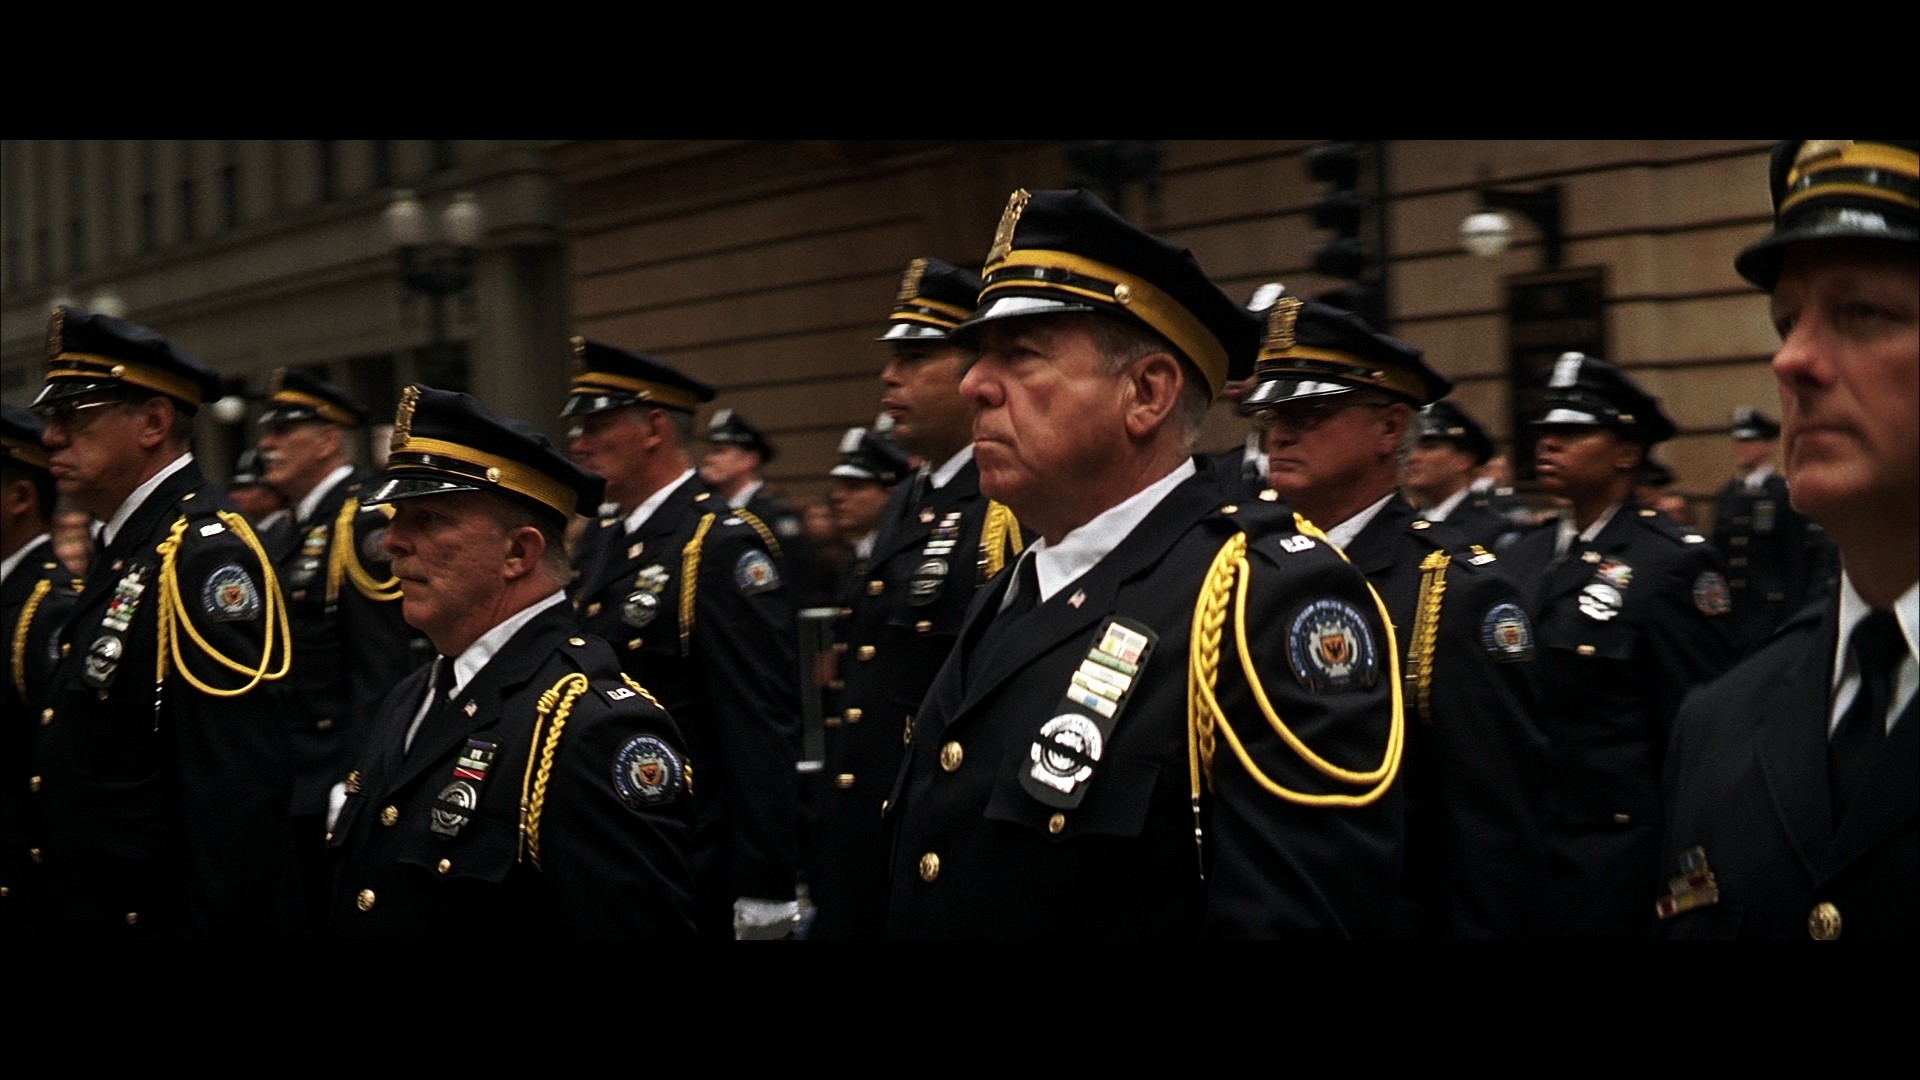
157,421
526,547
1152,392
1629,458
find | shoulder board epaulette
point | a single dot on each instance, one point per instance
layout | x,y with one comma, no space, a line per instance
1666,526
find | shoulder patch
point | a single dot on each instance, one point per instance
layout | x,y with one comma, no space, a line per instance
1506,633
229,595
755,573
648,772
1710,594
1330,647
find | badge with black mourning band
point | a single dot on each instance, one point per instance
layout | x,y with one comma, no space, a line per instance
1506,633
648,772
230,595
1330,647
1693,887
1600,601
453,808
643,603
1064,756
102,661
930,573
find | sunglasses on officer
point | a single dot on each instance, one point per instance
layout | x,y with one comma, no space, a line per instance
73,415
1307,414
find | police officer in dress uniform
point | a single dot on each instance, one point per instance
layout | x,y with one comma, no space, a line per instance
734,466
1630,613
1336,402
162,763
941,540
1086,764
690,595
37,594
1778,559
1450,447
351,645
1793,784
262,503
520,786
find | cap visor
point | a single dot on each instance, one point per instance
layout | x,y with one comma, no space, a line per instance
393,488
906,331
61,389
1276,391
1015,307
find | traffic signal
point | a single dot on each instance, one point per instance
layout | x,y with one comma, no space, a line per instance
1351,210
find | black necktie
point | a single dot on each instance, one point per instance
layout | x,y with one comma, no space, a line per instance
1877,647
1001,641
1026,590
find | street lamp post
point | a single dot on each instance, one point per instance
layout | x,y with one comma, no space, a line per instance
437,267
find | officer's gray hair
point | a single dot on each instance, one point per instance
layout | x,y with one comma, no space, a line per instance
1121,343
512,512
682,426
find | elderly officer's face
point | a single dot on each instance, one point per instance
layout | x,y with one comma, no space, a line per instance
299,454
96,448
1046,412
609,442
930,415
449,552
1849,374
1320,447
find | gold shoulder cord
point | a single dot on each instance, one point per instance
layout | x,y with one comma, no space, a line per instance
344,562
760,527
1231,572
558,700
1426,628
690,579
999,538
20,629
174,617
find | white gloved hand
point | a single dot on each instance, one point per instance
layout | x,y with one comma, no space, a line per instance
764,920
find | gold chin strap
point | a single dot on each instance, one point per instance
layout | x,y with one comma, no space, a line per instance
690,579
174,618
558,701
343,562
1426,629
40,591
1229,575
999,538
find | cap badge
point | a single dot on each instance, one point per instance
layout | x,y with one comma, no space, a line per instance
1281,321
403,420
1009,220
910,281
1566,370
579,355
56,331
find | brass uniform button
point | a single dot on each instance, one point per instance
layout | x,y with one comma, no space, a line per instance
866,652
365,900
929,867
46,717
33,783
853,716
66,648
133,918
951,755
1269,495
390,816
1422,524
839,647
906,734
325,724
329,838
1230,508
1823,922
922,626
593,609
1623,819
876,587
576,642
844,781
5,892
1056,823
445,865
34,854
634,644
1586,650
831,721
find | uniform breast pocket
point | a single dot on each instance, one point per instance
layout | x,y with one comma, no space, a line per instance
481,849
1119,795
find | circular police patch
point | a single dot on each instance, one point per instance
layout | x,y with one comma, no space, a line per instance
1599,601
373,549
1064,754
647,772
755,573
1710,593
928,578
639,608
1506,632
1330,647
229,595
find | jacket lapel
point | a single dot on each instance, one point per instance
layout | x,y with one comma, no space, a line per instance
1792,748
1372,551
1888,800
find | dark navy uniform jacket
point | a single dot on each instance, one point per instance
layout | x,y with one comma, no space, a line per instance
547,799
729,675
164,810
1747,785
1475,754
34,600
900,623
1778,559
977,853
1626,626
